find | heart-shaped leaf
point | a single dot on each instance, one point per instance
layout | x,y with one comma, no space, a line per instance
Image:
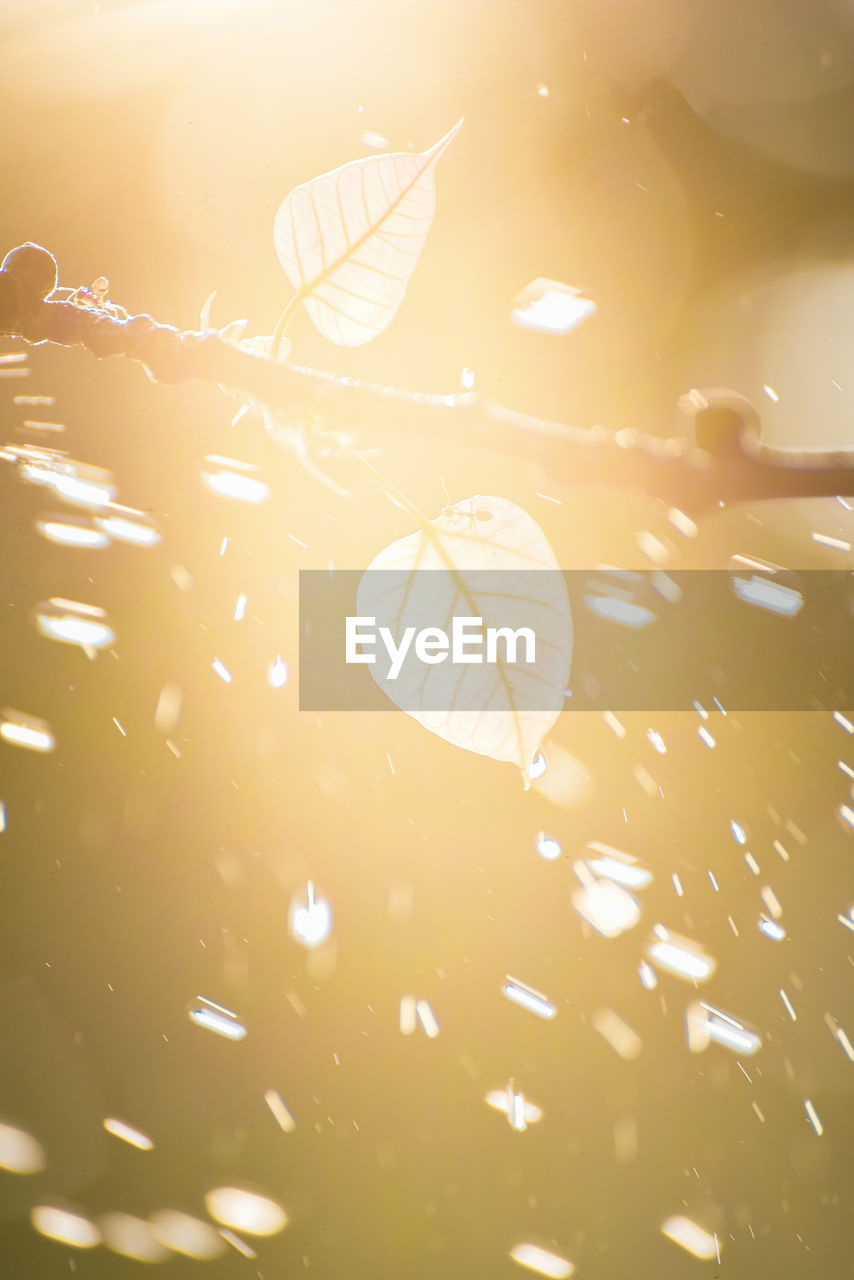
482,558
349,240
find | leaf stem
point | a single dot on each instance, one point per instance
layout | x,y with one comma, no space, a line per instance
282,323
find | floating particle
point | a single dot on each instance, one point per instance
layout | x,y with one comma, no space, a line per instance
846,768
739,834
771,929
653,548
772,902
542,90
616,1032
847,1047
215,1017
407,1020
677,885
542,1261
680,956
277,673
606,906
700,710
467,379
240,607
620,596
682,523
613,864
787,1005
846,813
665,587
2,817
33,424
310,919
625,1139
539,764
427,1018
20,1152
84,486
70,622
64,1226
714,882
186,1235
704,1024
127,1133
168,710
657,741
33,400
516,1109
843,721
237,1244
548,847
232,479
837,544
551,307
223,546
12,357
182,577
766,586
528,998
68,531
245,1211
752,863
500,1100
375,141
848,921
704,736
124,524
281,1115
771,393
131,1237
547,498
813,1117
21,730
691,1237
647,975
614,724
222,671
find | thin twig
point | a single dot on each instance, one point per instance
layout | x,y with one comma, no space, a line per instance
732,467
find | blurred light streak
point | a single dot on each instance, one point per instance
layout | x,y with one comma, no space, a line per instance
64,1226
70,622
127,1133
679,956
26,731
247,1211
551,307
542,1261
131,1237
215,1017
279,1111
20,1152
527,998
691,1237
186,1235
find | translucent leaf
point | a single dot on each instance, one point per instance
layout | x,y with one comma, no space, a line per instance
491,555
349,240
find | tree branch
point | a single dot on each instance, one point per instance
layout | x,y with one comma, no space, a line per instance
724,461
